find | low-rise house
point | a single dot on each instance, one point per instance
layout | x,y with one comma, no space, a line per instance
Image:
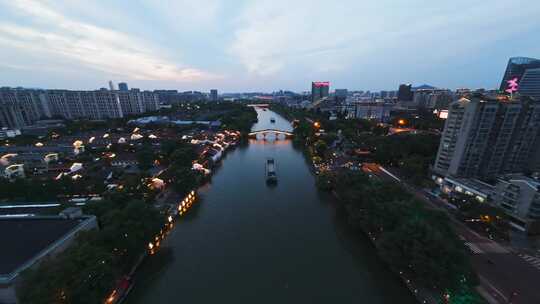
14,171
481,191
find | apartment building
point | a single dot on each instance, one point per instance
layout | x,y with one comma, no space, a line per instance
487,137
23,107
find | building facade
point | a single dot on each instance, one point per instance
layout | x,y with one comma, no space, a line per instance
213,95
23,107
378,111
527,73
519,197
529,84
488,137
405,92
319,90
122,86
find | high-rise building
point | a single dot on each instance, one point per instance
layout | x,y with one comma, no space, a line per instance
432,98
530,83
111,86
319,90
22,107
405,92
526,71
213,95
122,86
377,111
487,137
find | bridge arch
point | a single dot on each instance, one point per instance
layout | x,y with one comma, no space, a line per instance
265,132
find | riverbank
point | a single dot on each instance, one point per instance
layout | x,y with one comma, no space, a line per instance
174,211
389,217
249,242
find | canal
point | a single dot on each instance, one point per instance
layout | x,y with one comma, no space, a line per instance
247,242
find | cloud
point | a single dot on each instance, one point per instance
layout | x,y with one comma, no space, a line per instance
53,34
331,37
187,15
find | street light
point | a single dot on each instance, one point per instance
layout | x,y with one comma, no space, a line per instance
317,124
401,122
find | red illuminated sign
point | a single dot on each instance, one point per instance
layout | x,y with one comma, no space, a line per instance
319,84
512,85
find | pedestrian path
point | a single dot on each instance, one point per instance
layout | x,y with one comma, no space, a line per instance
534,261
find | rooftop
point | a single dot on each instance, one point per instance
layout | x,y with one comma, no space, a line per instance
23,239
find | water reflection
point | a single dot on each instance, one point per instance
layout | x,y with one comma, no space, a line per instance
250,243
283,142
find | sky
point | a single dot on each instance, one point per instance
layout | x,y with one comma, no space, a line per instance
259,45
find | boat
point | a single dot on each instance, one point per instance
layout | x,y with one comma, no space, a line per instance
271,176
272,120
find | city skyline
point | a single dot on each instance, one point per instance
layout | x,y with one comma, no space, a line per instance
262,46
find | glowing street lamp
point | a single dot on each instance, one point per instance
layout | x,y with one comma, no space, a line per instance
401,122
317,124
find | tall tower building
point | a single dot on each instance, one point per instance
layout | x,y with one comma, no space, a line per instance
530,83
527,73
214,95
405,92
487,137
319,90
122,86
111,85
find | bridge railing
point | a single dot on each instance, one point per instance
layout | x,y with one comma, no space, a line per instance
266,131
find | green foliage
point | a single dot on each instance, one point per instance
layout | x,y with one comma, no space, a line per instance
465,295
325,181
82,274
46,190
411,153
423,120
409,237
183,156
88,270
238,117
185,179
145,158
320,147
434,256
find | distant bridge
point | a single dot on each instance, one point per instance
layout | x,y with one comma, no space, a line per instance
259,105
266,132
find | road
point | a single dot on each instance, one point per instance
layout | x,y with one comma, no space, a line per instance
505,276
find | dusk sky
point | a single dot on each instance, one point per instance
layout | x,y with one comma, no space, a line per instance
263,45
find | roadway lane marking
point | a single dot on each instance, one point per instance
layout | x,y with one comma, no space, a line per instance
533,261
472,247
493,288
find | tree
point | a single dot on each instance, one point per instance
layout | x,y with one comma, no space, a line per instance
434,256
88,270
145,158
325,181
183,156
185,180
83,273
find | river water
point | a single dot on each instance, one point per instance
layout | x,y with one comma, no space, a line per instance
247,242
